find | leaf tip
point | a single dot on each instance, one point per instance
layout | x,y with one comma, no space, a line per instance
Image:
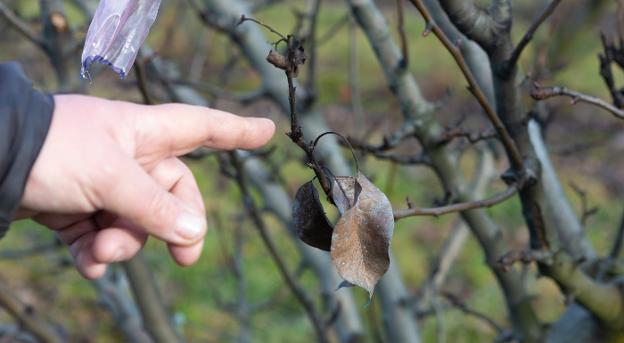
345,284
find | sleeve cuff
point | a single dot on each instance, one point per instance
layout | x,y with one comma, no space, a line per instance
25,117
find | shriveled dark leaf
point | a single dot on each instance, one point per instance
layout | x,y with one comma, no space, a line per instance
361,239
296,54
310,220
278,60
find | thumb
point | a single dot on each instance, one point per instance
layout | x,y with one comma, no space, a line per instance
134,195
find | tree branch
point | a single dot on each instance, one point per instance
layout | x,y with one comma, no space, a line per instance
462,306
618,241
528,36
465,206
148,298
27,317
542,93
473,21
22,27
401,31
604,300
114,294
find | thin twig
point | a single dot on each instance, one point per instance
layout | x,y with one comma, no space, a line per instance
243,97
419,159
542,93
407,130
35,250
310,37
244,19
260,5
114,295
21,26
472,137
515,157
618,242
465,206
332,31
528,36
612,54
402,34
462,306
506,261
156,319
354,74
586,211
142,83
27,317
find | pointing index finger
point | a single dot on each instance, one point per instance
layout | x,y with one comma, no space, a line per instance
180,128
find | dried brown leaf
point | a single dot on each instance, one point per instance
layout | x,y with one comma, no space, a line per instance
361,239
310,220
344,191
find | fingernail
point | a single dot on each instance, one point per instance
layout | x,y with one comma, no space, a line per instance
261,121
189,226
119,255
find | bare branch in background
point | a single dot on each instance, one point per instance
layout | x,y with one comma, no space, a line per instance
28,318
406,131
58,40
586,211
542,93
309,37
149,300
35,250
465,14
402,33
613,54
139,70
333,30
618,241
466,206
507,261
114,295
503,334
262,4
354,73
528,36
21,26
471,136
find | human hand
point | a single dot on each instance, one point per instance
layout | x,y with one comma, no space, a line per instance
108,176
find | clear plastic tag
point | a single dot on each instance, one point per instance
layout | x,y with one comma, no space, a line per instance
116,33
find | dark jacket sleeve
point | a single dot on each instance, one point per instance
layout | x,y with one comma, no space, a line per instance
25,116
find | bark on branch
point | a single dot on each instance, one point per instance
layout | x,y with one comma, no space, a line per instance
543,93
454,208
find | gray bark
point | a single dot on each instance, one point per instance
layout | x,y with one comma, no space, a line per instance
572,234
114,293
